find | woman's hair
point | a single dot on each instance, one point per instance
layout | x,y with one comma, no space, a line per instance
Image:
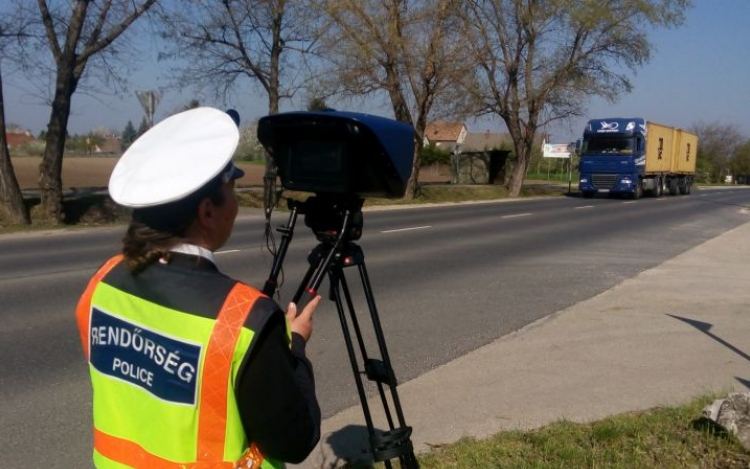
153,231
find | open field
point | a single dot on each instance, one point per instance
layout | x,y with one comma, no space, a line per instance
85,203
94,172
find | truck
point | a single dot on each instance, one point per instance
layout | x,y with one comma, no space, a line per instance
633,157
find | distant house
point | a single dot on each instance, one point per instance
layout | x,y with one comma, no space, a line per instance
18,138
109,145
445,135
450,135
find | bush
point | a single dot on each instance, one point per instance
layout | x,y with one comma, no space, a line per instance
35,148
432,154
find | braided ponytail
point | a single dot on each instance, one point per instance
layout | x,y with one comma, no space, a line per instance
154,231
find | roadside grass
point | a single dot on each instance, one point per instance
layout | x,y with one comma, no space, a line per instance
436,194
663,438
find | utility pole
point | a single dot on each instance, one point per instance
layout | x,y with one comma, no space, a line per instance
149,100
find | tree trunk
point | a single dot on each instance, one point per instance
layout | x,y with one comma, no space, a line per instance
11,197
50,170
270,195
515,183
411,185
14,207
419,130
401,113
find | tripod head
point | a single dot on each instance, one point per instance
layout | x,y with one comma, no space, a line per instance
325,215
335,219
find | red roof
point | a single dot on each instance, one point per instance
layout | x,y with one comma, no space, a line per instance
443,131
16,139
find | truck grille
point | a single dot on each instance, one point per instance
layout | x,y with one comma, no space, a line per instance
604,181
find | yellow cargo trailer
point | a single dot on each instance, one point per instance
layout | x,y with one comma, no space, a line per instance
659,147
685,148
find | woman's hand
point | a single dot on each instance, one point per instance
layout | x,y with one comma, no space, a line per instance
302,324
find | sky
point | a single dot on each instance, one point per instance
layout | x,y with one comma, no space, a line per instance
698,73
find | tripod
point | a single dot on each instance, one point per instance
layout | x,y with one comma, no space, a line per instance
336,252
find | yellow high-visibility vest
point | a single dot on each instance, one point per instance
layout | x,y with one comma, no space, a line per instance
163,380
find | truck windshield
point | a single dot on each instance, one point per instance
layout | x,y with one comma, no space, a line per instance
609,144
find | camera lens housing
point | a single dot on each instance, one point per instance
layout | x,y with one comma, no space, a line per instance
333,152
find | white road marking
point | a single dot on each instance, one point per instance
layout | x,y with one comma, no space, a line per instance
407,229
584,206
516,215
227,252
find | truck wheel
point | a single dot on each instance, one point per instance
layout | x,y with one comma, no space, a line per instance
638,191
673,187
659,189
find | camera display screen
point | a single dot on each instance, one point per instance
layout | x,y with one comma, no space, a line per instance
312,164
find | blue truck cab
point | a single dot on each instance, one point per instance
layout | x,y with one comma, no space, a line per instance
613,156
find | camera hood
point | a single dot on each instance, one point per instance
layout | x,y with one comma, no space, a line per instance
334,152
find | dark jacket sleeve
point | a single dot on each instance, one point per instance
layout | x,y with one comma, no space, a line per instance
275,392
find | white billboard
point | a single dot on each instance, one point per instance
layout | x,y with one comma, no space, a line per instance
556,150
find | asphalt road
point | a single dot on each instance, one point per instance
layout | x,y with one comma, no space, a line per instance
446,280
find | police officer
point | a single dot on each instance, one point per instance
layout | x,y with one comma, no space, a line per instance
189,367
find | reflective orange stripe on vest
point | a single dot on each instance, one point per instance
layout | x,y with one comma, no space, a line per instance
218,366
132,454
83,310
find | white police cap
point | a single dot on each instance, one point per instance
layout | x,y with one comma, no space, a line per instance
175,158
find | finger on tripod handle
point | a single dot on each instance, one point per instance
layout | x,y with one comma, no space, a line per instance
291,311
307,297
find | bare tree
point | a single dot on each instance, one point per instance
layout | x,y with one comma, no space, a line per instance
537,61
222,45
13,30
717,143
231,43
407,49
75,32
11,197
740,164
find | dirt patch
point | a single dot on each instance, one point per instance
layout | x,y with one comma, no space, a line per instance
85,181
86,172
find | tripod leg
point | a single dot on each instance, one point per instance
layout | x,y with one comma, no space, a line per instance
395,442
375,370
337,280
391,379
287,232
403,432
